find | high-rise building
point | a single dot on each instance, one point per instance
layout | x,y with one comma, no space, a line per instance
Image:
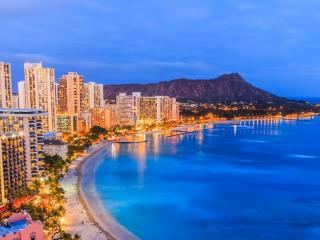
105,117
22,94
26,123
13,166
164,108
175,110
128,109
148,110
156,109
94,95
56,91
137,110
71,102
70,93
15,100
5,85
40,91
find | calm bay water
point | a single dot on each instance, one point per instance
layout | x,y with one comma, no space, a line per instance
257,181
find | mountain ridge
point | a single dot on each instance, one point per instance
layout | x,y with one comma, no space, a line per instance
227,87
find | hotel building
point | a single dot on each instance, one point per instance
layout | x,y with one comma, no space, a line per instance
94,95
104,117
27,123
157,109
71,93
128,109
40,91
13,166
5,85
148,110
137,110
71,101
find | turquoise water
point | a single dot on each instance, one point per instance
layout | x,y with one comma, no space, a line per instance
257,181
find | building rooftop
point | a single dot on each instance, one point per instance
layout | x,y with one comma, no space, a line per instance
53,142
15,223
21,111
12,228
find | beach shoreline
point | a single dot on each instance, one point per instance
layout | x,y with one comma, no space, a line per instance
85,213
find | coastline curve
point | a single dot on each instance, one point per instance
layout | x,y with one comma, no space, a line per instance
90,199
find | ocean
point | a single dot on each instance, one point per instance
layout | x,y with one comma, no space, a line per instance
259,180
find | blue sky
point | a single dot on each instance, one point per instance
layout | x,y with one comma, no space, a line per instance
273,44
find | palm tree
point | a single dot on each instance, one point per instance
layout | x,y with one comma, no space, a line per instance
65,236
77,236
36,186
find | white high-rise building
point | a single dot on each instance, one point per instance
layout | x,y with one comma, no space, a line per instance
5,85
128,109
22,94
94,95
40,91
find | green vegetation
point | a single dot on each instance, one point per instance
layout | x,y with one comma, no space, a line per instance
48,206
97,131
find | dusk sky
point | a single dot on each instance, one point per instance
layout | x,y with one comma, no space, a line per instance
273,44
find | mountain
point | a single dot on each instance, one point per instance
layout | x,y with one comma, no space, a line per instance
228,87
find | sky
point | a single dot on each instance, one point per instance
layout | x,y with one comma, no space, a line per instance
273,44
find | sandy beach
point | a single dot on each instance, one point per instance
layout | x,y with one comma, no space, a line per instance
85,213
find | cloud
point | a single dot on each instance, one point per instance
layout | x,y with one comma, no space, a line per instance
123,66
146,39
145,65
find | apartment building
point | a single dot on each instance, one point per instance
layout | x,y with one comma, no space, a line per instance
105,117
28,124
5,85
40,92
128,109
94,95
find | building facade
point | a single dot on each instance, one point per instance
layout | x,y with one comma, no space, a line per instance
5,85
15,100
27,123
105,117
94,95
71,101
40,91
56,147
13,166
128,109
22,94
140,110
71,93
67,123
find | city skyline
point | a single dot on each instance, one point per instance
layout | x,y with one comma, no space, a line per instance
160,41
159,119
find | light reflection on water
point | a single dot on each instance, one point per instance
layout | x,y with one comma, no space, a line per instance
253,180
